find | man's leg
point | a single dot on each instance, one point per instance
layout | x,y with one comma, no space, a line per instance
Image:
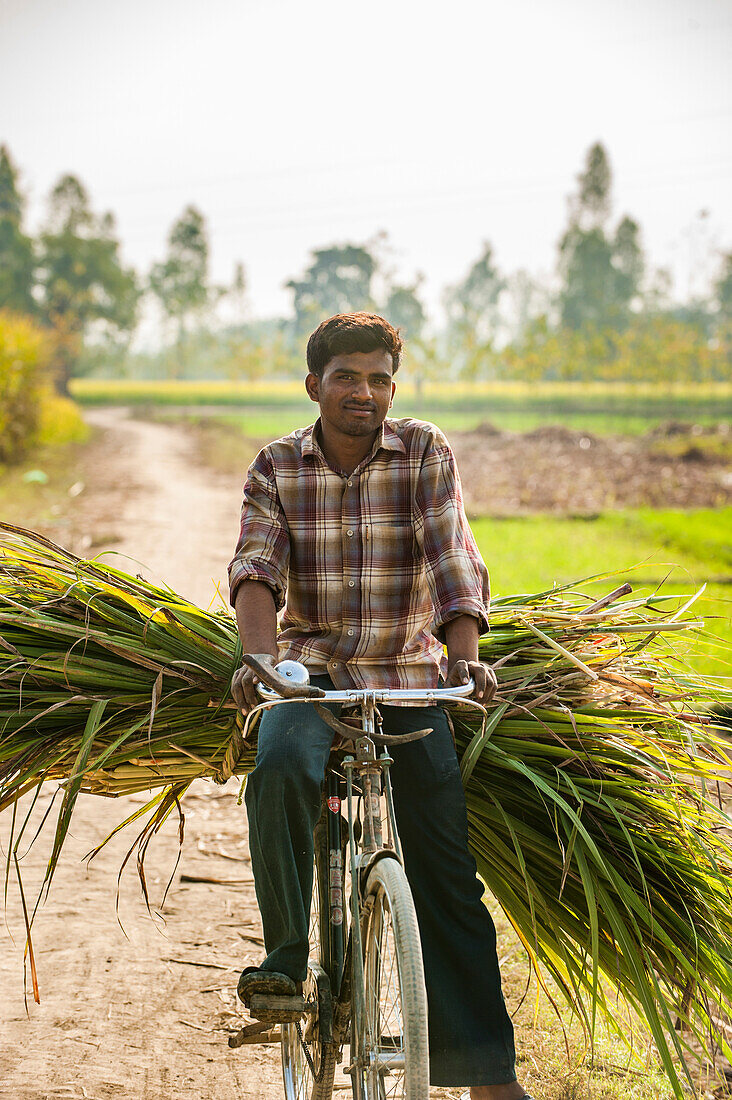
283,804
471,1035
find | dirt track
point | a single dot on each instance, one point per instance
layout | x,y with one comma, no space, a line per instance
144,1016
140,1017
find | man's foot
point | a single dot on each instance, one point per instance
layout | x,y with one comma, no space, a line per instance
253,980
271,998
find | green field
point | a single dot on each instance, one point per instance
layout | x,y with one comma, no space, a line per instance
273,409
644,546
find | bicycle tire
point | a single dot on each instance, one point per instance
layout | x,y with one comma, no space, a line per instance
299,1081
392,1046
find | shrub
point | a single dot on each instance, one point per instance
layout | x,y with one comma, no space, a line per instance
24,363
31,412
59,421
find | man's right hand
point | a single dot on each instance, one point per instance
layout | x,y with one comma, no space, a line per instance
244,684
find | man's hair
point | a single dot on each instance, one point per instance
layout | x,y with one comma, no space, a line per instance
349,332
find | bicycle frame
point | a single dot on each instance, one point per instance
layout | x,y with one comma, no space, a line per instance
342,945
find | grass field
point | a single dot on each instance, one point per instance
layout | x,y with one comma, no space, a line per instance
267,409
684,549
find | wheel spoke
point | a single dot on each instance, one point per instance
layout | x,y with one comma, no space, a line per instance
394,1055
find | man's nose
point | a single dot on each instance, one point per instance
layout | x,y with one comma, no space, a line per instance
362,389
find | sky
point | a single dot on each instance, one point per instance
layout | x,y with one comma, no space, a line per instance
295,126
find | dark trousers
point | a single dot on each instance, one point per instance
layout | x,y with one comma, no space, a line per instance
470,1032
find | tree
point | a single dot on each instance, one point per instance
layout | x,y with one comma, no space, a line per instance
723,290
181,282
237,294
472,304
593,201
601,272
473,314
588,293
723,295
404,310
628,263
338,280
17,260
84,289
527,300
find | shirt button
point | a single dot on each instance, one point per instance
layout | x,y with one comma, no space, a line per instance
349,532
351,584
334,664
350,483
351,633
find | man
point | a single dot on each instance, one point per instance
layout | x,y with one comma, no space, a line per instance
355,526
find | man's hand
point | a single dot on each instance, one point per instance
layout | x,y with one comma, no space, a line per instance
484,677
244,684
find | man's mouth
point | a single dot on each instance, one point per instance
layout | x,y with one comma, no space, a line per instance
360,410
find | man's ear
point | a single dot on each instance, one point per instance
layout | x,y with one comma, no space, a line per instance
393,391
312,386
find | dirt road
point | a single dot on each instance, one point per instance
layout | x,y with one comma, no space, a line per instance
140,1013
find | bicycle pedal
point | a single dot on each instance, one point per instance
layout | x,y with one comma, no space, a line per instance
278,1010
255,1033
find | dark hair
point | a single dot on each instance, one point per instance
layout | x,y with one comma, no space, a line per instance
349,332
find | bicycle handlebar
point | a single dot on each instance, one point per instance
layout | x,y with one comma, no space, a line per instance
293,684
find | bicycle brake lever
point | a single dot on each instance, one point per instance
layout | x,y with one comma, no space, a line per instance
285,688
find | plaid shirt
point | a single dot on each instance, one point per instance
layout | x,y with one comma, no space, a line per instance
368,566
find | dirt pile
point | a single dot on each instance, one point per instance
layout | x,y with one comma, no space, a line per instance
560,470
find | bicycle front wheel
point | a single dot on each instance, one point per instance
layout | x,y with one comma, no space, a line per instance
390,1034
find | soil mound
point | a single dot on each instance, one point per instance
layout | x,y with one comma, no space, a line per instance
564,471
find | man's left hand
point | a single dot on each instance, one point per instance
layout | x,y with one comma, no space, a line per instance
483,676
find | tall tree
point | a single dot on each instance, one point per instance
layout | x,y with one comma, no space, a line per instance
628,262
181,283
83,286
593,200
723,290
527,298
404,310
17,260
237,294
338,280
473,313
600,271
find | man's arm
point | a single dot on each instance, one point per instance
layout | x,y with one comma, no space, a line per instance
461,639
256,618
258,573
456,573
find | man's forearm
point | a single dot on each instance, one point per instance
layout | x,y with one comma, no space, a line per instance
461,639
256,617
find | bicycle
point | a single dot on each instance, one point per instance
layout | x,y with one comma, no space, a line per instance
365,987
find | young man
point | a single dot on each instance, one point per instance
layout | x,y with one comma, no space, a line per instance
355,526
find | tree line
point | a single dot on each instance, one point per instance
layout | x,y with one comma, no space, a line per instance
604,314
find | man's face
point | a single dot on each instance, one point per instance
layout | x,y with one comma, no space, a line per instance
355,391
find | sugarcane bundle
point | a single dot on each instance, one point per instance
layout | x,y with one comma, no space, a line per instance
591,788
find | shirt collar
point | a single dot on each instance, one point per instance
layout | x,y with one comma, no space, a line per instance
387,440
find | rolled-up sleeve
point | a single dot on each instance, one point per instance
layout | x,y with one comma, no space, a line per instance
456,574
263,550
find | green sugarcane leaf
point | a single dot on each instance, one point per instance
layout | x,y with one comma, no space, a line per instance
74,785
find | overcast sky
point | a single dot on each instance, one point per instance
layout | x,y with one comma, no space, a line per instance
296,125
